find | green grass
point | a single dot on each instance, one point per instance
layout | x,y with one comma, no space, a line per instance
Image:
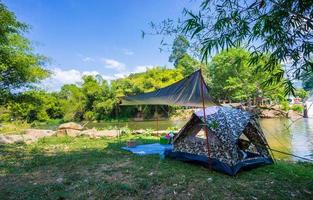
82,168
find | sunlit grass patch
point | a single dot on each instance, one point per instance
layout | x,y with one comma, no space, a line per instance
16,127
79,168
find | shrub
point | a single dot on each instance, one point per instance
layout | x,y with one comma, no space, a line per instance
285,105
126,131
89,116
297,108
15,127
149,131
172,128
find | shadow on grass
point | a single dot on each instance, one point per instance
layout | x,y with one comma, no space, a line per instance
19,157
78,168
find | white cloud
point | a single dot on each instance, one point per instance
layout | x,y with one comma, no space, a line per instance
60,77
113,64
88,59
121,75
66,76
137,69
142,68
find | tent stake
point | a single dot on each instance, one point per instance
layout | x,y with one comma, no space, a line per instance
204,117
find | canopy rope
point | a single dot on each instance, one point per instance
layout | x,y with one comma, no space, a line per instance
290,154
286,153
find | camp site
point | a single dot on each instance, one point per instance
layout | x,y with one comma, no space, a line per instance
178,99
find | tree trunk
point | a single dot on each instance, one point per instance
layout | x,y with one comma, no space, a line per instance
305,111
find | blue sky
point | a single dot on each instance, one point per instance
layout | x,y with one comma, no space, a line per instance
95,36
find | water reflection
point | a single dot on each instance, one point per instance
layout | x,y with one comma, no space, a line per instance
302,138
278,134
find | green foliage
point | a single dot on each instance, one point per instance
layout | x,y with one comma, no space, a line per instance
285,105
301,93
93,100
73,101
35,105
181,59
172,128
4,114
297,108
89,116
126,131
231,77
282,29
19,65
188,65
148,81
14,127
179,49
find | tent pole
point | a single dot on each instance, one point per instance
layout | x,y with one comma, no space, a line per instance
204,117
156,109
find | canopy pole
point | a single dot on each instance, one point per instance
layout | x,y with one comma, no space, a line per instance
117,119
204,117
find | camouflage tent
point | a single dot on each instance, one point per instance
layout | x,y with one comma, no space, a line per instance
235,140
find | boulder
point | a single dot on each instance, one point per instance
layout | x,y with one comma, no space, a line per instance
71,125
90,133
72,129
39,133
10,139
70,132
107,133
93,133
32,135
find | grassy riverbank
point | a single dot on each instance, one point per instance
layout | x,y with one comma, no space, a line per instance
77,168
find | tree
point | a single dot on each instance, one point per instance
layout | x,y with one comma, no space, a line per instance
35,105
20,67
94,99
179,49
101,98
282,29
181,59
73,102
188,65
233,78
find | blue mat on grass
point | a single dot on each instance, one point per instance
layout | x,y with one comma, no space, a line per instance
147,149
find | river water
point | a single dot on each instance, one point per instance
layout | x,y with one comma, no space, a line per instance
295,137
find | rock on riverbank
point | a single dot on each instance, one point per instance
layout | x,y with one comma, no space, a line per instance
30,136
